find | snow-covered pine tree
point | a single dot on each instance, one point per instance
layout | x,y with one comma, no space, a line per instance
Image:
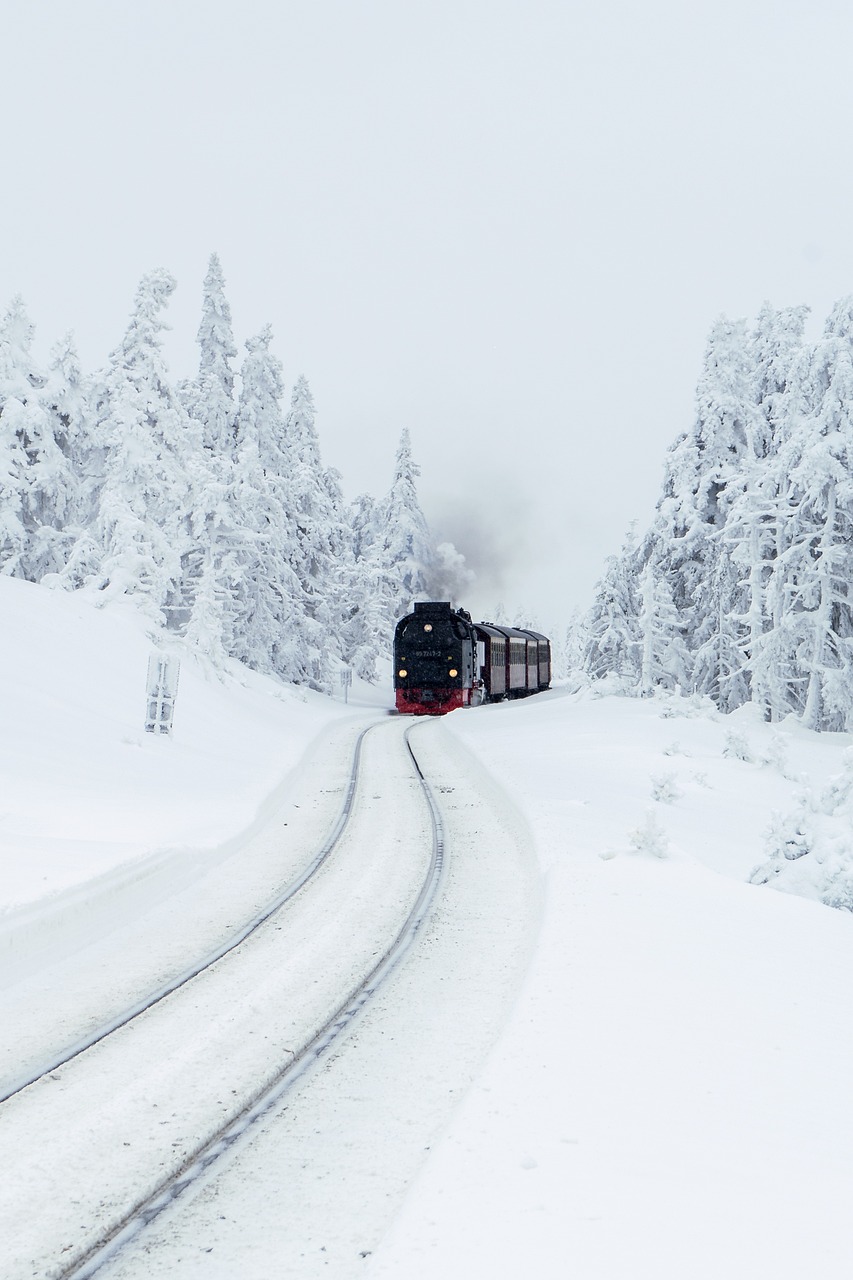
356,620
775,348
39,487
610,634
720,663
273,630
223,550
19,381
215,561
815,570
152,457
663,654
364,633
66,399
210,398
757,527
753,537
321,545
706,467
402,539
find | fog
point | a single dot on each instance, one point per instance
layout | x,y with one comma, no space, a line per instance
505,226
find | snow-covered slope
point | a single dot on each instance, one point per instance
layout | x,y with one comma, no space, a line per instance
89,802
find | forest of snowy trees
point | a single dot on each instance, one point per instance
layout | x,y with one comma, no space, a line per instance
206,501
742,589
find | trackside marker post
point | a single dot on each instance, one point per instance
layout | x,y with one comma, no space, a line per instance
346,681
163,672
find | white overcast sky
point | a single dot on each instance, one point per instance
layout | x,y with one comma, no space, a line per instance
507,225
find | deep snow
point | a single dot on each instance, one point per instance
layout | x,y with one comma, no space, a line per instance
668,1096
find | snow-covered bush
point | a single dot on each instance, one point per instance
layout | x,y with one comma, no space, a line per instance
665,788
650,838
736,747
810,849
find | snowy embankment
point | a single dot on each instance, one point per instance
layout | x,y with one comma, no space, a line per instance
669,1097
98,819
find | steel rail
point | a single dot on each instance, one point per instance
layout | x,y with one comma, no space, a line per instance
233,941
213,1148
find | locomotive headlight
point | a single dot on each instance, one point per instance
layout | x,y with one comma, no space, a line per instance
402,672
453,673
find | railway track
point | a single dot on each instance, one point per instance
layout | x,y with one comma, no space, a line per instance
121,1208
68,1052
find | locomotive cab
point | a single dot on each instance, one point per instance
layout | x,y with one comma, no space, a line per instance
434,660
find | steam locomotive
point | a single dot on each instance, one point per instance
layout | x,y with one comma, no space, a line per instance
443,660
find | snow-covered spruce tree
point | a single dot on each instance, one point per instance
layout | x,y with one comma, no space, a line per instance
706,468
364,634
753,536
569,657
273,630
775,349
358,625
758,527
720,663
213,565
18,382
402,539
222,551
322,545
663,654
39,486
152,456
715,534
210,398
812,575
611,637
66,399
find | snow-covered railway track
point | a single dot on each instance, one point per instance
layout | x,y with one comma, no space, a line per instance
145,1112
95,1035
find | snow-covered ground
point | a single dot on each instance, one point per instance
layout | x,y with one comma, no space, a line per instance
669,1096
666,1097
99,818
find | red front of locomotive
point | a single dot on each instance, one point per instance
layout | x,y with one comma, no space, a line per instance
430,702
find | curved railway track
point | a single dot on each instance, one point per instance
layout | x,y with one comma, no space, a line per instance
114,1231
69,1052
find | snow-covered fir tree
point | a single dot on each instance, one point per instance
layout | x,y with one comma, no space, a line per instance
402,539
213,566
152,448
42,459
213,511
275,631
210,398
752,537
609,637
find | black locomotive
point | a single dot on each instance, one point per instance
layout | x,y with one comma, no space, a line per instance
443,660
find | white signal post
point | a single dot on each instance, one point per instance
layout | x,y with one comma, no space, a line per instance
346,681
163,672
